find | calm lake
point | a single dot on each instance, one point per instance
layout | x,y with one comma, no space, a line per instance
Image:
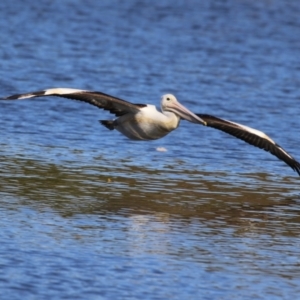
88,214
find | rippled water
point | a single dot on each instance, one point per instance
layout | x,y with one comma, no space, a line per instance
87,214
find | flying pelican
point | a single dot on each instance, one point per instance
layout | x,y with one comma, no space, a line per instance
144,122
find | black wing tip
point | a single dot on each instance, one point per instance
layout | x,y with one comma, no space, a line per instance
12,97
296,167
288,159
24,96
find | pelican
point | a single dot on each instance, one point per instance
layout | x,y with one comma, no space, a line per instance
145,122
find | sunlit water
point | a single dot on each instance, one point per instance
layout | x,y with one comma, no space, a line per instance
87,214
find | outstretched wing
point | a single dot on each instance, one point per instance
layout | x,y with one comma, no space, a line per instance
253,137
115,105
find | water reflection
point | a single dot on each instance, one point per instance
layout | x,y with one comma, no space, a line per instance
250,200
134,221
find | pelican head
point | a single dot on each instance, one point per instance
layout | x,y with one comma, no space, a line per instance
170,103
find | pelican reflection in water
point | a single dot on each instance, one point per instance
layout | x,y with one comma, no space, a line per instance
145,122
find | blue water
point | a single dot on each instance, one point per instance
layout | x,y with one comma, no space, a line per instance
87,214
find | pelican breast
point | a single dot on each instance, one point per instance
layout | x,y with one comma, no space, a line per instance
147,124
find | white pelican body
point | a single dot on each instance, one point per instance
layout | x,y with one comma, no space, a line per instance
147,124
150,124
144,122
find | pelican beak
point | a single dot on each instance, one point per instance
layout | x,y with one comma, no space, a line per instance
185,114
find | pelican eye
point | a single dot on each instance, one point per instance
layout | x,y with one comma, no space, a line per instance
168,99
